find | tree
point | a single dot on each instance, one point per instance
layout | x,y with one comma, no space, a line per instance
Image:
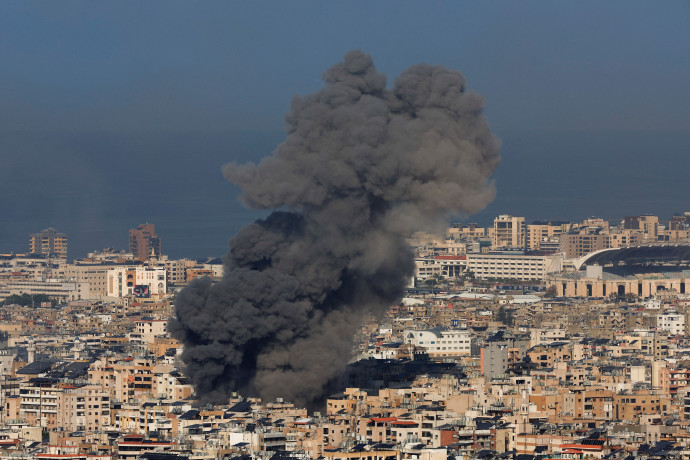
439,279
505,316
551,291
628,297
501,314
537,320
26,300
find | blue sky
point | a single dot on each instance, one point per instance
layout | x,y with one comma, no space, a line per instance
122,92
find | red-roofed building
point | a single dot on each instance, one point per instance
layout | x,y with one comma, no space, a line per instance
377,429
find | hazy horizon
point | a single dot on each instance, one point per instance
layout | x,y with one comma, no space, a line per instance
96,200
115,114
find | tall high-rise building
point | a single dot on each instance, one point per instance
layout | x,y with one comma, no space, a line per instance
48,242
509,232
143,242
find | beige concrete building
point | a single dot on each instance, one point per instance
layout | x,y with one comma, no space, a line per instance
624,237
39,405
123,280
49,242
575,245
95,275
513,266
509,232
176,270
647,225
440,343
127,379
146,331
467,232
439,266
539,233
62,290
641,271
84,408
579,284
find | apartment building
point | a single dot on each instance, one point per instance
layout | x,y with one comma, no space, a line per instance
593,404
144,242
674,323
146,330
48,242
509,232
171,386
128,378
39,404
467,232
647,225
543,235
630,405
622,238
84,408
176,270
575,245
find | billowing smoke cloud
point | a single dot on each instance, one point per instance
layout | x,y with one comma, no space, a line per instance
362,167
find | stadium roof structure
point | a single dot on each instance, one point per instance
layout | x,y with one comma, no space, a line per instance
675,254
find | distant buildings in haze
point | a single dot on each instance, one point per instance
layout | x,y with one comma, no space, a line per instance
48,242
144,242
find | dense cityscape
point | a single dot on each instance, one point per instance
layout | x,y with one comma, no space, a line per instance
522,340
352,230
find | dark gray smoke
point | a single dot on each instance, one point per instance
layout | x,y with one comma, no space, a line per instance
361,168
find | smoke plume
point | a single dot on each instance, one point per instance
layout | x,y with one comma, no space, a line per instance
361,168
